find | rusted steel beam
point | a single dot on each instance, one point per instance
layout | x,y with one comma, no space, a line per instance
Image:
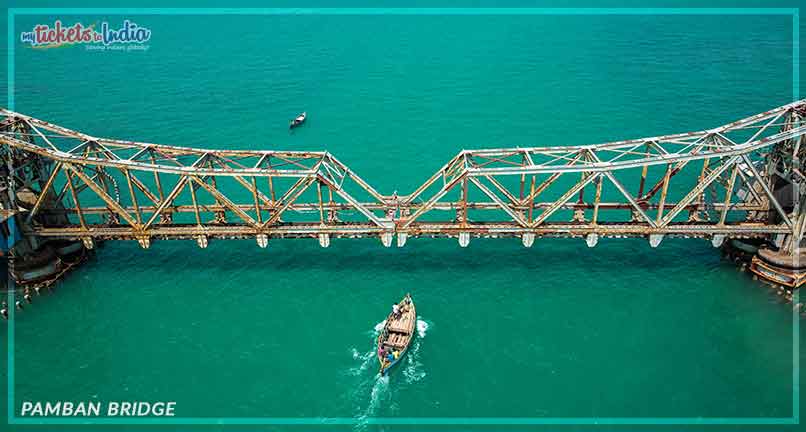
257,201
442,206
292,194
597,200
101,193
629,198
195,202
767,191
44,192
502,229
531,194
134,197
167,201
698,190
321,204
664,190
728,195
219,197
511,212
563,199
75,199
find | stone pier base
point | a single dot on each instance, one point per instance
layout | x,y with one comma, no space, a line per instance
783,269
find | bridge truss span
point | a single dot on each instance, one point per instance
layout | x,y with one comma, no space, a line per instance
742,179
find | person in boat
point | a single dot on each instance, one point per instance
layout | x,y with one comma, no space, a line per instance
381,351
395,310
390,357
396,354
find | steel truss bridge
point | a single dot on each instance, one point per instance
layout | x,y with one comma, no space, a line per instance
742,179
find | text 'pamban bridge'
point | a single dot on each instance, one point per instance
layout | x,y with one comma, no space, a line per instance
62,191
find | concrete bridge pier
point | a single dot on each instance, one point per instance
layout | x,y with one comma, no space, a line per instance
785,266
31,262
783,262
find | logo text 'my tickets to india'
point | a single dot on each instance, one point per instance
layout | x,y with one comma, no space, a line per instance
59,34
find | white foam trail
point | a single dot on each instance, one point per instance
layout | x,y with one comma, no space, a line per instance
422,327
366,360
379,327
414,368
380,392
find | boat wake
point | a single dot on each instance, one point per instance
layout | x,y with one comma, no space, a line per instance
378,327
379,396
422,327
366,359
414,370
414,367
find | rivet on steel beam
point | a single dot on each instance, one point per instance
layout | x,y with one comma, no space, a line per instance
401,239
528,239
386,238
464,239
717,240
655,239
324,240
262,240
592,239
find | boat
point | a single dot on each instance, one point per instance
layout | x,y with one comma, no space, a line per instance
298,121
397,334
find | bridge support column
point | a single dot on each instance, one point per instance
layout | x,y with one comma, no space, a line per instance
145,242
592,239
386,238
324,240
655,239
464,239
401,239
717,240
528,239
262,240
89,243
25,192
787,265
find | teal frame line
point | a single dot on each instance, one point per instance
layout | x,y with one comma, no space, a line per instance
795,419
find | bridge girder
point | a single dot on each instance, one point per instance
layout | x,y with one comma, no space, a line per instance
717,182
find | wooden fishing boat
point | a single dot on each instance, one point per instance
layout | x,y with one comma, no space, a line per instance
298,121
397,334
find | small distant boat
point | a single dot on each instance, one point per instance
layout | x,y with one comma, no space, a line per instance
397,334
298,121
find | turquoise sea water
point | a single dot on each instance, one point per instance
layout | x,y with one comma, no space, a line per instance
558,330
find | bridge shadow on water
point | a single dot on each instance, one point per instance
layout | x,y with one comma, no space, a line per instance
362,254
